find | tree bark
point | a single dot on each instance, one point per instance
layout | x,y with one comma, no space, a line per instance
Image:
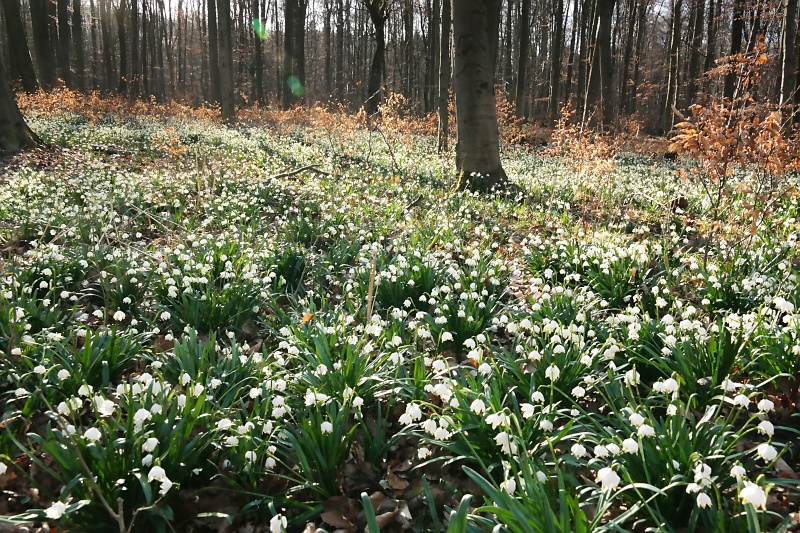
478,146
18,45
45,61
788,58
64,42
628,56
737,35
136,65
77,46
14,132
522,62
377,13
213,50
599,94
668,114
444,79
698,14
555,67
226,59
259,59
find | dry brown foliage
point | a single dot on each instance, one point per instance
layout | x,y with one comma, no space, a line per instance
589,151
724,135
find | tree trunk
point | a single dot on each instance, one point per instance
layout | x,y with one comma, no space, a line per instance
259,59
136,66
522,63
64,42
45,61
18,45
328,37
737,35
555,63
123,47
640,17
105,30
711,30
340,50
599,94
213,50
508,53
628,56
377,13
444,79
226,59
668,114
14,133
77,46
788,59
698,13
478,146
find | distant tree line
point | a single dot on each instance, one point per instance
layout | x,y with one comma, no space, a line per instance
610,59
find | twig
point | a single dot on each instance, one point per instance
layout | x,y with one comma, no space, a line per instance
314,168
371,289
414,202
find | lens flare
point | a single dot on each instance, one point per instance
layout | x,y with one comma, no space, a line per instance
295,86
260,29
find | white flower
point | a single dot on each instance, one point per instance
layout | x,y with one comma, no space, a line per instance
766,427
62,374
326,427
166,484
156,473
509,485
741,400
39,369
537,396
497,419
630,446
671,385
552,372
765,405
578,392
609,480
105,407
578,450
92,434
546,425
477,406
447,336
56,511
767,452
631,378
250,456
232,441
527,410
503,440
703,500
119,316
358,401
738,471
150,444
277,524
754,495
646,430
636,419
424,453
3,468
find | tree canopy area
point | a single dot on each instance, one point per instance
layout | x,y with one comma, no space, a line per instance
247,283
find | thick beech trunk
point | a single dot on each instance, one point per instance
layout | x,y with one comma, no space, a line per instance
19,45
478,146
14,133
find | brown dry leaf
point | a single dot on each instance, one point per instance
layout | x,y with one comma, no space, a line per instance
784,470
395,482
340,513
385,518
337,519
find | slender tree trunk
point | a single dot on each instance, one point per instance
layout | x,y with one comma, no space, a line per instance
45,61
788,59
444,79
572,51
340,50
711,30
213,50
64,42
136,66
77,46
433,56
668,114
259,59
555,63
377,13
641,19
18,45
737,35
599,95
508,53
628,56
327,35
14,132
226,59
105,29
587,25
522,62
478,146
698,14
123,48
145,40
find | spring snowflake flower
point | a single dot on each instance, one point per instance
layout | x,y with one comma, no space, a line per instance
509,485
767,451
56,511
765,405
62,374
765,427
613,449
754,495
741,400
250,456
527,410
277,524
636,419
537,396
497,419
326,427
546,425
609,480
703,500
423,453
632,378
671,385
3,468
447,336
578,392
477,406
738,471
156,474
92,435
600,451
503,439
104,407
578,450
552,372
119,316
646,430
630,446
150,444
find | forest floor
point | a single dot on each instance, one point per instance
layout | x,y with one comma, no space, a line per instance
302,326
